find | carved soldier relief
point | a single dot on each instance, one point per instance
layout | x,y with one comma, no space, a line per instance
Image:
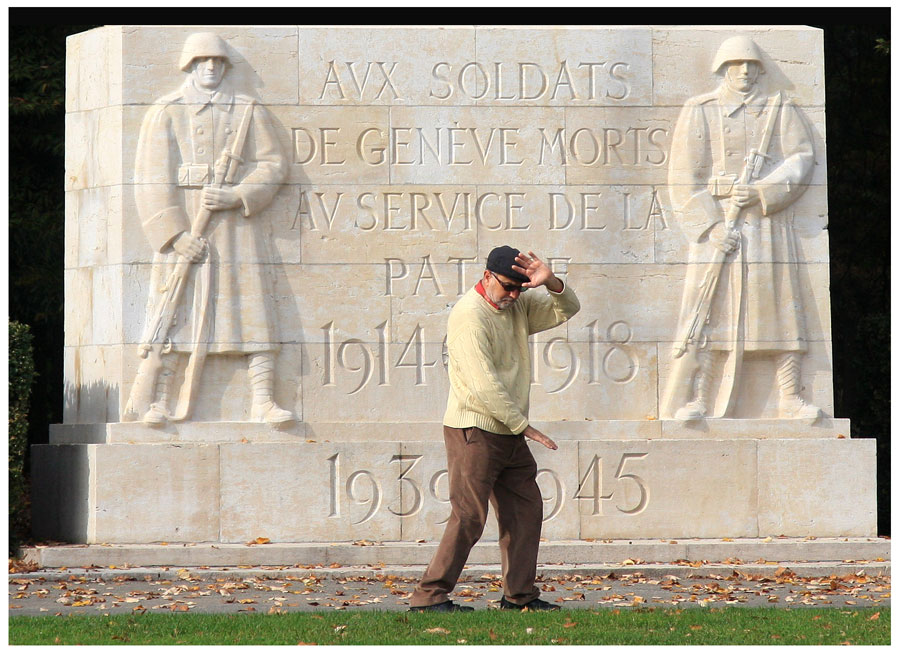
741,156
208,162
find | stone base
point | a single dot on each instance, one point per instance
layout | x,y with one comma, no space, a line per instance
622,553
246,481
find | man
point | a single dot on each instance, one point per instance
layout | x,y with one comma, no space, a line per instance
225,307
757,306
486,425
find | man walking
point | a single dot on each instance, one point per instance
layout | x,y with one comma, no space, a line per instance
486,424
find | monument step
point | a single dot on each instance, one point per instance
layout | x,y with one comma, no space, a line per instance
589,554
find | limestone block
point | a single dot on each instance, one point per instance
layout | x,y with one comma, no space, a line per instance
260,59
94,148
335,145
354,380
309,492
825,487
92,230
683,56
756,429
757,392
92,392
625,304
93,62
636,489
78,285
363,66
157,492
60,496
372,224
618,145
578,224
579,381
566,66
467,145
107,308
554,477
599,429
191,432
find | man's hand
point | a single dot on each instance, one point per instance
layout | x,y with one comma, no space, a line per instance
537,436
189,246
218,199
744,195
537,272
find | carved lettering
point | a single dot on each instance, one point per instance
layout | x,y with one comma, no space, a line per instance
629,491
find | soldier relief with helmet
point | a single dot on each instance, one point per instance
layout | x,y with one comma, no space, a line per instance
740,158
208,161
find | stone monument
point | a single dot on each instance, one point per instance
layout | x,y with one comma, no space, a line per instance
266,228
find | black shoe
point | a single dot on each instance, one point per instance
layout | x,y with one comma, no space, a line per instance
446,606
534,605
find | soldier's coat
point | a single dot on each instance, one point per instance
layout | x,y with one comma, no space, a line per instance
714,133
182,137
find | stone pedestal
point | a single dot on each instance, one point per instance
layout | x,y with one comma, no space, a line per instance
363,175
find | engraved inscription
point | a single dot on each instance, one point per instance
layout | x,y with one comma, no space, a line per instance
630,491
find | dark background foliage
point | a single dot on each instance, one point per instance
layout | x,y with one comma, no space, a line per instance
857,73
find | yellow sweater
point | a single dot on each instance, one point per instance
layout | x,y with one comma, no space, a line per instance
490,363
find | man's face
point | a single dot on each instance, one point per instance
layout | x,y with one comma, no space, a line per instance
208,72
741,75
493,285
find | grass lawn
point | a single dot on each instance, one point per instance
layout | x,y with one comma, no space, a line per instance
641,626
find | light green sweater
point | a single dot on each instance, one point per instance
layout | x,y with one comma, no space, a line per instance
490,363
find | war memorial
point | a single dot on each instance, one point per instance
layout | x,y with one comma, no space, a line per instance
266,228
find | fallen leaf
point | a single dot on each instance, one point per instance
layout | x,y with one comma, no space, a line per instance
492,634
437,631
570,624
338,629
529,631
875,616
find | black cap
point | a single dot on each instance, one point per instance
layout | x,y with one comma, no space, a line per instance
501,259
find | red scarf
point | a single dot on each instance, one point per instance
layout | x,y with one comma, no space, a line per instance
480,289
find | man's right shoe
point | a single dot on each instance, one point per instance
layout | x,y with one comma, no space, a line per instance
446,606
533,605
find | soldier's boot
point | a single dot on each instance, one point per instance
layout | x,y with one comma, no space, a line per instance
790,404
697,409
158,413
261,369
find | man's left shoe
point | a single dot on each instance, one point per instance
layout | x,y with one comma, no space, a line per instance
533,605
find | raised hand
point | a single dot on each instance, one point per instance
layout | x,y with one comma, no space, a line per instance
537,272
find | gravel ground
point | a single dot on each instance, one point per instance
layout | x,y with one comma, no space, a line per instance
251,591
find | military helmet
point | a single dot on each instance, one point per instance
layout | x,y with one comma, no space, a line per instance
737,48
202,44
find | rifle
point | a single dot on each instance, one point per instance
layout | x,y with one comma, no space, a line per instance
156,342
691,336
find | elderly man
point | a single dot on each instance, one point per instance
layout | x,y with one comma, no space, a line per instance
225,305
486,426
757,306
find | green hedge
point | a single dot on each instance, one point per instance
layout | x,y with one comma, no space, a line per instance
21,376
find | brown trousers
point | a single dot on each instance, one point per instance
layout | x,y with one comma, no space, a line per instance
486,466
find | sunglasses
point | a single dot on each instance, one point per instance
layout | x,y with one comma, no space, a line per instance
508,287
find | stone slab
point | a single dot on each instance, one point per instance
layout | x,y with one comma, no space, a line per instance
853,552
563,429
312,490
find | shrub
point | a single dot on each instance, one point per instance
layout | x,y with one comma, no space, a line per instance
21,376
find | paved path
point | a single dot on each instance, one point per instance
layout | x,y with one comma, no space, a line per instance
264,590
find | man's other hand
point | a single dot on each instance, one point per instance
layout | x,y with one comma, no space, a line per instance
745,195
537,436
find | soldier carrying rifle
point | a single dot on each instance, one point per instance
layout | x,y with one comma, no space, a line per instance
740,159
208,161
